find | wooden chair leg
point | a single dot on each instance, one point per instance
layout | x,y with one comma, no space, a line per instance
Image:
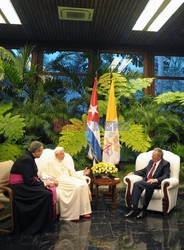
128,195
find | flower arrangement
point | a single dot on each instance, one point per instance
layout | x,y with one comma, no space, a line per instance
104,168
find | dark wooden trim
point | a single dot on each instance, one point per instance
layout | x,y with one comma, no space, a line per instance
104,48
165,200
169,77
61,73
149,72
128,195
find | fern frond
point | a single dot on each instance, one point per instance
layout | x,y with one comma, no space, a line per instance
73,137
7,56
5,107
170,97
12,127
10,151
134,137
123,86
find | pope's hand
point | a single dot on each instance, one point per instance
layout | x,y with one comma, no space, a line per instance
55,182
48,183
86,171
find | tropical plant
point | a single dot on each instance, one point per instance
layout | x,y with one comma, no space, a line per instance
81,160
37,97
11,131
159,124
132,135
73,137
125,85
171,97
177,149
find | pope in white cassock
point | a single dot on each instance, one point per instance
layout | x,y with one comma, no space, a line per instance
72,189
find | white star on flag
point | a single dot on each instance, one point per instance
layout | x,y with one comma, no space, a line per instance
93,109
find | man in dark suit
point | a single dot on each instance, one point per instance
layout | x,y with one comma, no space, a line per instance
156,171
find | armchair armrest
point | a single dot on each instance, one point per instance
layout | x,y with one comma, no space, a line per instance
131,179
8,191
171,183
88,179
80,172
169,193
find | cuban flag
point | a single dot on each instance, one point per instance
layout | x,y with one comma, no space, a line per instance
92,130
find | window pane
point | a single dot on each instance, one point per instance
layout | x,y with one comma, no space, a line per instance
63,61
126,62
164,86
169,66
17,53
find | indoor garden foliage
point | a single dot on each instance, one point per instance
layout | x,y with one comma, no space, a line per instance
36,101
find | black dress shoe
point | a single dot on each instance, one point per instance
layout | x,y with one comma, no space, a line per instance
142,214
132,213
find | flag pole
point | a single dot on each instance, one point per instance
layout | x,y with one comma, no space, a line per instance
96,78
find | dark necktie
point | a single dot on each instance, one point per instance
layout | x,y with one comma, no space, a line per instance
150,174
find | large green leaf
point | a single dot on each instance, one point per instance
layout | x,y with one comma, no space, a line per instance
5,107
124,86
10,151
11,127
170,97
73,136
1,71
7,56
133,136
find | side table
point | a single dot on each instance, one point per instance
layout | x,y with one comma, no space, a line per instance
111,183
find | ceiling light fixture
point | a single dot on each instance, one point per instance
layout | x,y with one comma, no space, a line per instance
148,12
156,13
9,12
165,15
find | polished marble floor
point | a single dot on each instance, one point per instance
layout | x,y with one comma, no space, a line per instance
108,230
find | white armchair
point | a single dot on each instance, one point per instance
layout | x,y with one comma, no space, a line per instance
163,199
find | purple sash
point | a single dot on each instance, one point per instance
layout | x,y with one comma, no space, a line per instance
17,178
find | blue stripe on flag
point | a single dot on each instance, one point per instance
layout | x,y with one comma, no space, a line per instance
94,144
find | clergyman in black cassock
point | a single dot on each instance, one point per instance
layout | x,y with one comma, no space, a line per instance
32,202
